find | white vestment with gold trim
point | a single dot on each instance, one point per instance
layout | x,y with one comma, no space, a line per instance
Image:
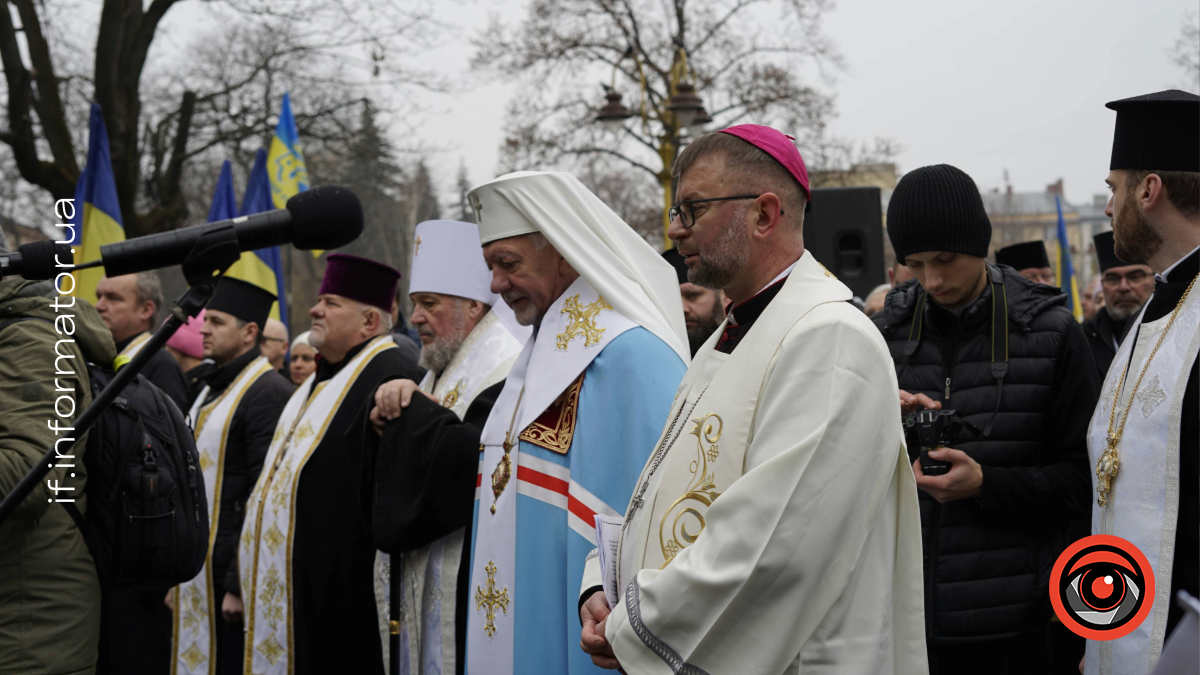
1142,506
265,547
196,608
775,529
431,572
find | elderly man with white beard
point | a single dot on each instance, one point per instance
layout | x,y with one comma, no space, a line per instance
470,341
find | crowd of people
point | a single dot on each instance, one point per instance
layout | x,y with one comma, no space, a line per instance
588,455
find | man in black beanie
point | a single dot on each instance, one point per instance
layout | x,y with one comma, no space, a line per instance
1126,289
1008,357
703,308
1029,259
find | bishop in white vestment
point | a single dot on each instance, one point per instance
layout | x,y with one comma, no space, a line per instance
422,477
578,414
1143,440
775,528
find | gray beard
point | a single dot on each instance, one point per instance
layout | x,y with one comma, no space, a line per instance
441,351
728,257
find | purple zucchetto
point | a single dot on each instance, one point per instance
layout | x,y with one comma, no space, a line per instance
362,280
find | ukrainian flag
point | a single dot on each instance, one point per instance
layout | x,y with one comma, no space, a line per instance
289,175
261,268
97,218
1064,273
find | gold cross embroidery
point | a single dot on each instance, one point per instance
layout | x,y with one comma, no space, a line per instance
417,251
491,599
583,322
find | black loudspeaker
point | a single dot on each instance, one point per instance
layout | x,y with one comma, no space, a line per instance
843,229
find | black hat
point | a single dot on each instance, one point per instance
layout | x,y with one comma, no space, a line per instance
1157,132
1024,255
938,208
674,257
243,300
1105,256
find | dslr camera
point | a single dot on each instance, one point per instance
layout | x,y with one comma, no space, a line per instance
933,429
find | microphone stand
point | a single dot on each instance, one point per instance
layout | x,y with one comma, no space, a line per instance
211,255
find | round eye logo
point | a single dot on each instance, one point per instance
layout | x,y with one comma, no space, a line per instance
1102,587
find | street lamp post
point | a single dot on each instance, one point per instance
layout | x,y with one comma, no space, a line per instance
683,109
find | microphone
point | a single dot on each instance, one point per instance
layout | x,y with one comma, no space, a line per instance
324,217
36,260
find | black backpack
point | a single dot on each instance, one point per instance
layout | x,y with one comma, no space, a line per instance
147,519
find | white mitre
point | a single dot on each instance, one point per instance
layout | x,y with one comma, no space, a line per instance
602,248
447,259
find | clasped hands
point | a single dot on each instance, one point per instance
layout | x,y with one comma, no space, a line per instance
965,477
594,615
391,399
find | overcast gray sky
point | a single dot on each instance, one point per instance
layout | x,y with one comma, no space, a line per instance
1019,85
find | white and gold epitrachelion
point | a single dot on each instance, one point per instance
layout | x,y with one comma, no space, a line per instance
426,624
196,608
265,548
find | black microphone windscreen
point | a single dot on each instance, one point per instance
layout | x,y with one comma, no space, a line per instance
37,259
325,217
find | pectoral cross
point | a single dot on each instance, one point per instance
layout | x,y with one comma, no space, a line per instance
1106,469
490,599
417,250
503,471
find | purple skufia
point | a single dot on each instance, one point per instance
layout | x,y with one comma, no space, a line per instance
360,279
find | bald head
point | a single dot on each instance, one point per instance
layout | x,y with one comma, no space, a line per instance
274,342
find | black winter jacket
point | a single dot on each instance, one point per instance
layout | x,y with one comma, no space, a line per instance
1102,331
250,433
988,558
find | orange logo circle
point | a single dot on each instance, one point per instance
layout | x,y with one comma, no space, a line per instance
1102,587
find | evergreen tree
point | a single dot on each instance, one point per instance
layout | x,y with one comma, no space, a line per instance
465,213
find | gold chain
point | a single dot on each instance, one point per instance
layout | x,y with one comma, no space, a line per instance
1109,463
503,471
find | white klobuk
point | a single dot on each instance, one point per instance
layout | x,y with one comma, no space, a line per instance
196,608
1142,505
430,573
707,447
265,548
545,368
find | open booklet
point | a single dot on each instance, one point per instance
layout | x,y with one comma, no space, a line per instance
608,536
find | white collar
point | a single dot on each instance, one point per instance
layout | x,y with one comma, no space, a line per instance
1167,272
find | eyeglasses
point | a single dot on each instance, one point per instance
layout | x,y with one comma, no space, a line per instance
271,339
686,214
1134,277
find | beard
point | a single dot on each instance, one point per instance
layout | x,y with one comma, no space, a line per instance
729,255
704,328
441,351
527,315
1116,309
1134,241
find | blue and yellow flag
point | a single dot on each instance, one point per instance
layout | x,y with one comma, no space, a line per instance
286,167
289,175
1064,273
97,218
262,267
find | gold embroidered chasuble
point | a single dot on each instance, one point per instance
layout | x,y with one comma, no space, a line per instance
265,547
778,510
196,608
